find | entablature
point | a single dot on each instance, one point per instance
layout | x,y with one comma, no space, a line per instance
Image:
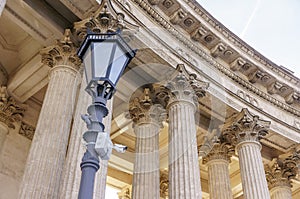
203,29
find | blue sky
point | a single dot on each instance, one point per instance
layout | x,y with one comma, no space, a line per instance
272,27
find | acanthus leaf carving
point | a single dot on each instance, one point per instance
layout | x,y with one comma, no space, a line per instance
185,86
216,148
244,126
144,109
104,20
10,110
280,172
64,52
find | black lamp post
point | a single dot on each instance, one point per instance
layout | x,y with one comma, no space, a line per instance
105,56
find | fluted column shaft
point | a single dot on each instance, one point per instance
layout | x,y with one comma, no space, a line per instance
219,179
281,192
252,170
71,174
184,174
48,149
146,165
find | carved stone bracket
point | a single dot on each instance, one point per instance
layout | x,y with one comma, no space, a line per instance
10,110
244,126
280,172
63,53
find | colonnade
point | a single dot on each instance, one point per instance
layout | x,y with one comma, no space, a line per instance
52,171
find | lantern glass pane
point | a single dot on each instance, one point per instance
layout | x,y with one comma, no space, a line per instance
87,61
118,65
102,53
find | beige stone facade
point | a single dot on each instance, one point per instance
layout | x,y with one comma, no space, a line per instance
203,114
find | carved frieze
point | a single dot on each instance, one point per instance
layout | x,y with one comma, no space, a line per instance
10,110
248,98
63,53
187,56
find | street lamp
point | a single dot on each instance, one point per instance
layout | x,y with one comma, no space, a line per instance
105,56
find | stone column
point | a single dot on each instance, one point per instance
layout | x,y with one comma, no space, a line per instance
72,173
45,161
183,90
279,174
147,118
2,5
218,160
245,130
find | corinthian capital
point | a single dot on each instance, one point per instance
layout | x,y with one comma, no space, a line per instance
10,111
63,53
280,172
218,149
244,126
182,86
142,109
104,20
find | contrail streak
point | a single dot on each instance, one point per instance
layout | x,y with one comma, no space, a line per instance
250,18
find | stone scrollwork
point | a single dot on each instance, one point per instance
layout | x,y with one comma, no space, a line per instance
63,53
244,126
10,110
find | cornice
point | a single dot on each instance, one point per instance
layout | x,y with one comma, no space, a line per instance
195,47
232,38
